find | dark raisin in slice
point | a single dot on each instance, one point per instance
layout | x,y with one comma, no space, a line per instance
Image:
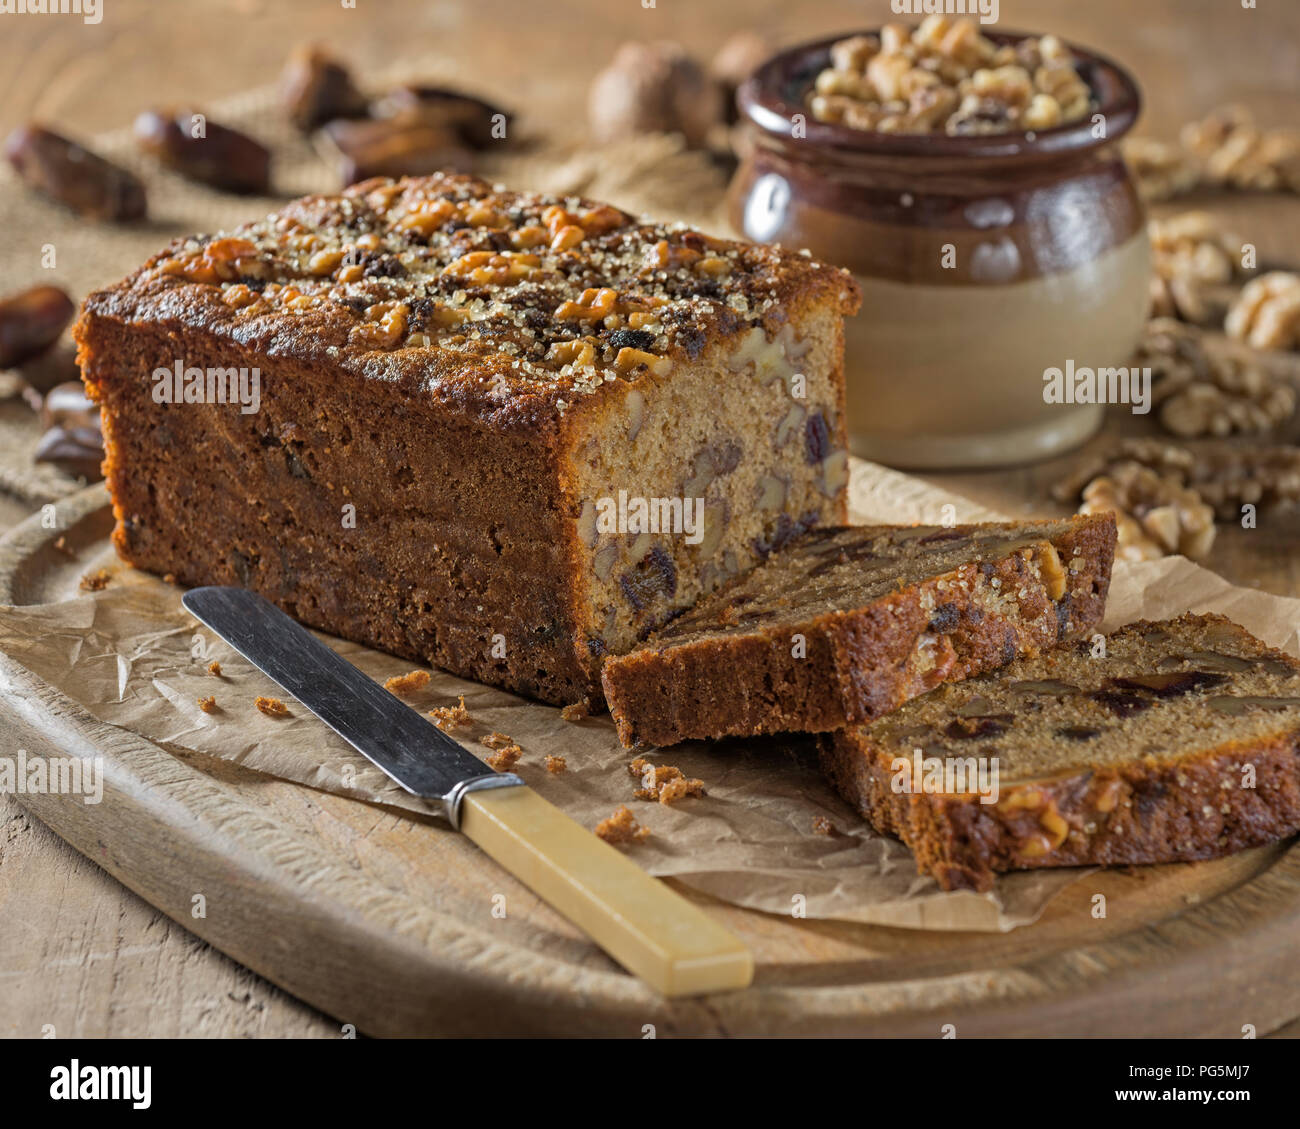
1171,685
1122,703
989,725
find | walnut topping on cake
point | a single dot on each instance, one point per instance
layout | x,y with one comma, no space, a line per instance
551,292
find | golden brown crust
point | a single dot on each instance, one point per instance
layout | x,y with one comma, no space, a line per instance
860,661
1171,808
407,300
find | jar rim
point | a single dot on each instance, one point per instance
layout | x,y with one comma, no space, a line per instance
765,100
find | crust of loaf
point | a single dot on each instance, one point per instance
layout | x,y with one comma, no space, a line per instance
859,664
1148,810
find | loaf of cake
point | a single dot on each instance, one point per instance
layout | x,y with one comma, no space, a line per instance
506,434
1179,741
848,623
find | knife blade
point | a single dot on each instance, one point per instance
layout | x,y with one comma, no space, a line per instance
639,921
419,756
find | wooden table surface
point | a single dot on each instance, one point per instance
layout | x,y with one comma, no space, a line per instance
85,957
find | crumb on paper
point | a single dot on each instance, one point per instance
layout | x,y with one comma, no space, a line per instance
61,544
169,578
97,580
621,827
505,758
272,707
666,783
403,684
555,764
496,740
208,704
214,669
576,711
822,826
450,717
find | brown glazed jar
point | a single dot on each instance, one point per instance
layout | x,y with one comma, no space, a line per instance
984,261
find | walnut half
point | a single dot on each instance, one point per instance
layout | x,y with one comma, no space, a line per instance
1155,515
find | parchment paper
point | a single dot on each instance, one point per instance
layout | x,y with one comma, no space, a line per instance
134,658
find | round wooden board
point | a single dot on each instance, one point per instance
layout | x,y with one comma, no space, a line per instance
385,921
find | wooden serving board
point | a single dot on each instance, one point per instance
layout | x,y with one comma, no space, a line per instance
385,920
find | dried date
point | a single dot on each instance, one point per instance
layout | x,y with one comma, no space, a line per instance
317,89
475,122
218,156
31,322
395,147
73,176
73,441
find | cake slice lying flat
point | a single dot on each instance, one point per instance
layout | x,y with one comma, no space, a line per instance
1181,742
848,623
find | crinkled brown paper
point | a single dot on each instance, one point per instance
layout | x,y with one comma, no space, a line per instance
134,658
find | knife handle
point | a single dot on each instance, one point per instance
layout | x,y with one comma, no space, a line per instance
651,931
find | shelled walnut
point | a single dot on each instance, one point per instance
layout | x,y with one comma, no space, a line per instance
1167,459
1155,514
1266,315
1163,169
1191,254
1226,149
945,77
1211,390
1233,152
1225,476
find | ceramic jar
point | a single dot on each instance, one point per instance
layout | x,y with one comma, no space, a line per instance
984,261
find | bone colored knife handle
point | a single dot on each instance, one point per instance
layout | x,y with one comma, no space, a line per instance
651,931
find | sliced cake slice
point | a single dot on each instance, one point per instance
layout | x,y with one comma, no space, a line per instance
1179,741
847,623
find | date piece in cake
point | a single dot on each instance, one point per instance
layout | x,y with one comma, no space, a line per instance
848,623
1179,743
481,416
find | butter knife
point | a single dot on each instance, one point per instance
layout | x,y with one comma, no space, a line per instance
649,929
